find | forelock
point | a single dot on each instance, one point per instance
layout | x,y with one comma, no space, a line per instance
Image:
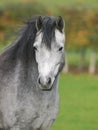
48,30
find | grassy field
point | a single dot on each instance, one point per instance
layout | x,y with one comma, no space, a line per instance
78,103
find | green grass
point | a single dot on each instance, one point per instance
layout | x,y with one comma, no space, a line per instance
78,103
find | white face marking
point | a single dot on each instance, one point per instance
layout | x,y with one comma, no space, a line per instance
49,60
60,37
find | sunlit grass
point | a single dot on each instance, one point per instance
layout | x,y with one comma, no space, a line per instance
78,103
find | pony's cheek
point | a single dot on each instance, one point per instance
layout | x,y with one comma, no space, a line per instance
36,57
56,69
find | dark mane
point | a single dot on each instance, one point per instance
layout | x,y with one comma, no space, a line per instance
49,25
23,48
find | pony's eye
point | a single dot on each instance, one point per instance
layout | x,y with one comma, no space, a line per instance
60,49
35,48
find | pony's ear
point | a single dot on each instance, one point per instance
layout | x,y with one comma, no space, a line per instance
39,23
60,23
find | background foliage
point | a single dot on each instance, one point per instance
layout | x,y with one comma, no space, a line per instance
81,26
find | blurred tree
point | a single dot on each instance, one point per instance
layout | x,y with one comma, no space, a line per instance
76,30
1,25
93,40
15,14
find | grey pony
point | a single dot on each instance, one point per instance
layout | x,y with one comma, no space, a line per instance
23,104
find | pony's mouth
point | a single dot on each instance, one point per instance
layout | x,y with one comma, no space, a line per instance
45,88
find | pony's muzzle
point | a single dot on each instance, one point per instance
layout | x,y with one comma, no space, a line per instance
45,83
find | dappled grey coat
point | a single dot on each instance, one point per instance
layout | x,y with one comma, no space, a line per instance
23,105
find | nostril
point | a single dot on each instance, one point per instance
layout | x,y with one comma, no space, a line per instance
44,81
49,81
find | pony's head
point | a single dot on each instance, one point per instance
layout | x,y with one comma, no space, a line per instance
49,49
